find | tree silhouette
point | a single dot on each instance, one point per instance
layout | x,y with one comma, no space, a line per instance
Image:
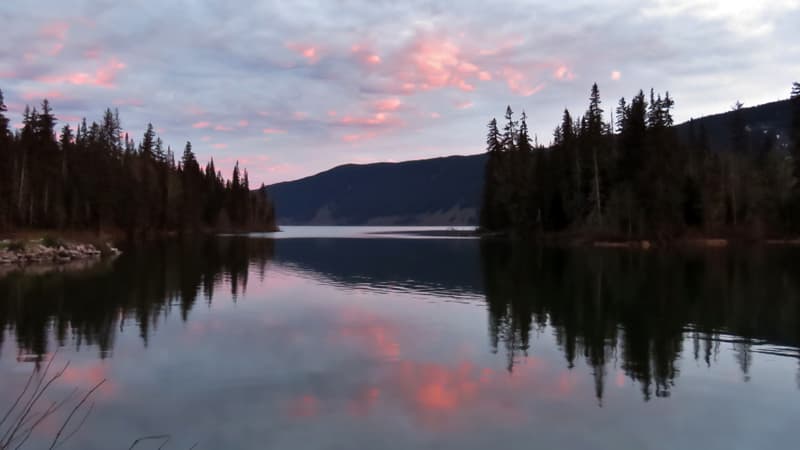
96,178
640,178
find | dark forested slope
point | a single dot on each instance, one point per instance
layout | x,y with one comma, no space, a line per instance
439,191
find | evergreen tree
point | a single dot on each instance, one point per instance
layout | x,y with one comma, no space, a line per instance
795,133
95,178
642,181
509,131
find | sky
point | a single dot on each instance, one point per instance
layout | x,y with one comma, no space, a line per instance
292,88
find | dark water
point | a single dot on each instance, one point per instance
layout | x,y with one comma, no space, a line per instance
339,343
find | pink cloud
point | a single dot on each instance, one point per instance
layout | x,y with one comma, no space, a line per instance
128,102
38,95
353,138
274,131
56,49
200,125
388,104
366,56
518,82
376,119
222,128
616,75
484,76
104,76
466,104
504,47
92,53
303,407
205,138
243,123
300,115
54,30
563,73
332,113
440,63
220,146
309,52
435,115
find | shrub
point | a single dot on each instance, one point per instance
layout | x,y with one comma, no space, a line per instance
16,246
52,242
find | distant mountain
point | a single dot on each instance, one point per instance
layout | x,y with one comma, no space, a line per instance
447,191
773,119
439,191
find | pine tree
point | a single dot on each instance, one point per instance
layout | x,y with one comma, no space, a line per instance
493,143
491,214
524,139
148,146
795,133
622,115
509,131
795,152
6,172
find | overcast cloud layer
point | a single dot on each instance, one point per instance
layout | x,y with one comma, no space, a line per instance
293,88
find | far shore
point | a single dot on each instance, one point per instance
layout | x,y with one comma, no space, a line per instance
587,240
431,233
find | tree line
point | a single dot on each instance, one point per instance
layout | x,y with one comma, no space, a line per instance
636,177
97,178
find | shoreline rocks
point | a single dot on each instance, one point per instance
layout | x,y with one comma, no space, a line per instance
35,252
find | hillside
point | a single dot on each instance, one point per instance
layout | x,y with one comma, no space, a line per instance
770,118
439,191
447,191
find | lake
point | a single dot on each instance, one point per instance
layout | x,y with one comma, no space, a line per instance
337,338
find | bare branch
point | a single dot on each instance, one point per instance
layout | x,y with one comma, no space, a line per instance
74,410
37,394
16,402
148,438
161,447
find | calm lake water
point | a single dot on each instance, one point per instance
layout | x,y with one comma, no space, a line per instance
335,338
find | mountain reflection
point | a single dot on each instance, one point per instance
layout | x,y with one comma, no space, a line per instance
638,311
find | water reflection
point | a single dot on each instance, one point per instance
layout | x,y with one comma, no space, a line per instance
642,309
638,312
143,286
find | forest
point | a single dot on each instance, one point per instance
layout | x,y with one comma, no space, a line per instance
97,178
635,177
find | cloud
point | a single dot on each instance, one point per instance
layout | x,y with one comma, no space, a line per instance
388,104
54,30
103,76
307,51
563,73
37,96
322,73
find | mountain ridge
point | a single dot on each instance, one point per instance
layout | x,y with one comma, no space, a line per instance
446,190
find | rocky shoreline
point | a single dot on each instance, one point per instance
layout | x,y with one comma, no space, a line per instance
47,252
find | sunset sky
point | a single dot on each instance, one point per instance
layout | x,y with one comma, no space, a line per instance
291,88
